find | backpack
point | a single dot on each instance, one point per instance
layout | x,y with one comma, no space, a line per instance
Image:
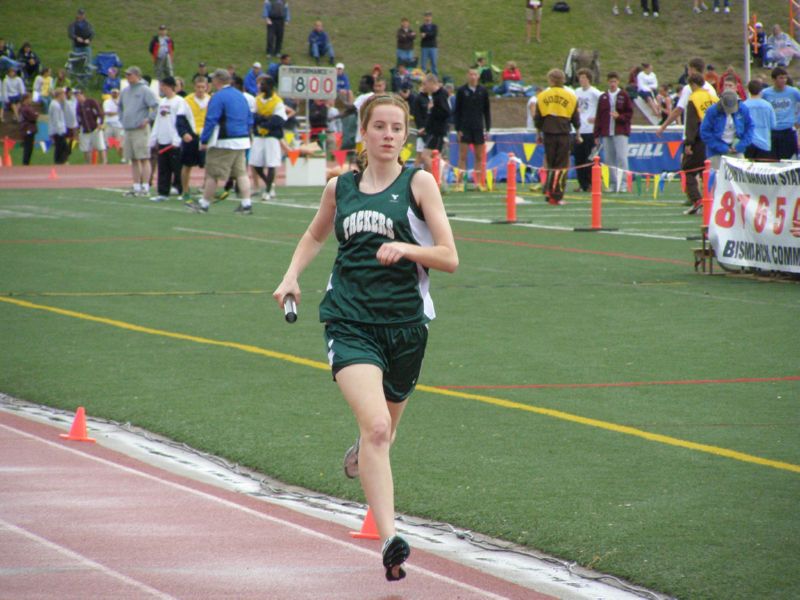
277,9
561,7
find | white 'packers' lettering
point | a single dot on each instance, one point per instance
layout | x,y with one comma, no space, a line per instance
368,221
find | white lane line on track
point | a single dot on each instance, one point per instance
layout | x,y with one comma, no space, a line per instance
234,236
251,512
88,562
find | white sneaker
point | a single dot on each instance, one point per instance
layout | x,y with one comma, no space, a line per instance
727,10
614,11
703,6
264,196
716,9
655,15
174,191
645,14
273,194
628,10
158,198
696,10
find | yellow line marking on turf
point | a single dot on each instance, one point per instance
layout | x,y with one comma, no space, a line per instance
499,402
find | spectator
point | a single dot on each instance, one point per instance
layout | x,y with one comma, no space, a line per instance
275,15
319,44
647,87
438,118
694,150
274,69
58,127
781,48
730,73
418,108
162,49
727,8
646,8
113,126
405,43
62,80
6,50
696,65
111,81
270,119
71,117
180,87
202,71
664,101
335,116
785,100
764,121
511,80
226,134
612,126
429,44
343,90
401,77
136,104
473,120
30,62
90,124
169,132
43,88
191,156
377,72
251,79
615,8
6,61
533,13
81,32
485,74
13,89
727,129
712,77
556,113
511,72
28,128
588,97
758,40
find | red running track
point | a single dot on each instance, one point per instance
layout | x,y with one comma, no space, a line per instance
78,520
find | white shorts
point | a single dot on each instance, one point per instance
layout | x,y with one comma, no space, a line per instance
265,152
92,141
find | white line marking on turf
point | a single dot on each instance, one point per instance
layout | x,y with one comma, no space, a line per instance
234,236
84,560
249,511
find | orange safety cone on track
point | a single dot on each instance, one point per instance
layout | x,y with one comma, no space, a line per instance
77,432
53,174
369,530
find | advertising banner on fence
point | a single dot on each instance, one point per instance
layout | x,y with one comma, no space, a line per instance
755,220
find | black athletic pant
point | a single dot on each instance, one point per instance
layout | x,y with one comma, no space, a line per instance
693,165
275,37
581,152
169,169
61,152
556,151
27,148
655,6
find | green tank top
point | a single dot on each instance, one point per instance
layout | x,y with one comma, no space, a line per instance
360,289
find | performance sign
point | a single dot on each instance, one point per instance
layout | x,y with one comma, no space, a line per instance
307,83
755,220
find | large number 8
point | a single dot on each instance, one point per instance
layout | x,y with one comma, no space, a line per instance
300,84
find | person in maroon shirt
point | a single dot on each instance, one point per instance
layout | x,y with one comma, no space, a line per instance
90,122
612,127
28,117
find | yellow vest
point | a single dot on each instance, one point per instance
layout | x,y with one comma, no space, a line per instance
265,107
702,100
198,112
47,83
556,102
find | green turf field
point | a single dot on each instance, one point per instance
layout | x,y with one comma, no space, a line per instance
604,402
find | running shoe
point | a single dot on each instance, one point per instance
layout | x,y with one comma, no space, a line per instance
614,11
195,206
350,462
264,196
243,210
158,198
694,208
628,10
131,194
395,552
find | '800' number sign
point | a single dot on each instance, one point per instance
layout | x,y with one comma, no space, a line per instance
307,83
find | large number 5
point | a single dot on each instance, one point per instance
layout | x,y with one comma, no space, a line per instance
780,216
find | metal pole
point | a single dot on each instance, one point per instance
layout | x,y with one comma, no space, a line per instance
746,19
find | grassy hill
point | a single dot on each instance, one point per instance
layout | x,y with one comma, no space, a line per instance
233,32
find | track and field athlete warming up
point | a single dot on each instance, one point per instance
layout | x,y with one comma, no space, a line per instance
391,227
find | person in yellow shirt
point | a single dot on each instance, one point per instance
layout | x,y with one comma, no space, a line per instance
191,155
556,114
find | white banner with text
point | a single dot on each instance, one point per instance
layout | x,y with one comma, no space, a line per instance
755,220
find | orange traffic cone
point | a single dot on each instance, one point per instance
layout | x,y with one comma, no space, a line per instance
78,431
53,174
369,531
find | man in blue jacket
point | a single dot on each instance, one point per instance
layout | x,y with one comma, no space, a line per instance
226,139
319,44
727,128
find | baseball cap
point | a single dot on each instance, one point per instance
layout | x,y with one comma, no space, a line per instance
340,66
133,71
759,24
257,64
730,101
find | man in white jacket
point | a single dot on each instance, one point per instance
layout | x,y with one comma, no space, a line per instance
166,138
